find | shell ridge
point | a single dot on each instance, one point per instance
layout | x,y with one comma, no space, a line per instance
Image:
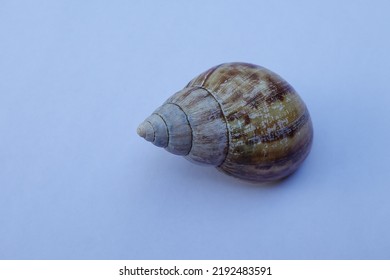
166,125
192,138
226,123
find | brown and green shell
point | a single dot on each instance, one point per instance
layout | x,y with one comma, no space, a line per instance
242,118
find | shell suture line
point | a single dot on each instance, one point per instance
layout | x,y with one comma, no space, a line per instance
154,131
226,123
166,125
192,133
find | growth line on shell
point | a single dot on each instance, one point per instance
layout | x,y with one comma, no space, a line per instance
209,74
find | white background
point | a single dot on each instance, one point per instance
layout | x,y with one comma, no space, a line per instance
76,182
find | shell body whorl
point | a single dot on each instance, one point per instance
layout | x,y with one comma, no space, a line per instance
242,118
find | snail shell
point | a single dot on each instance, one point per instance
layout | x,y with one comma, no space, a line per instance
241,118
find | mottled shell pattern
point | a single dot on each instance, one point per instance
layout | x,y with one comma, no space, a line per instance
241,118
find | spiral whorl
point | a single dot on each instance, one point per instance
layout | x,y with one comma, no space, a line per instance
168,128
146,130
190,123
154,130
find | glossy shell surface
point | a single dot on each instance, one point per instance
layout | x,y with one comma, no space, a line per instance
242,118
